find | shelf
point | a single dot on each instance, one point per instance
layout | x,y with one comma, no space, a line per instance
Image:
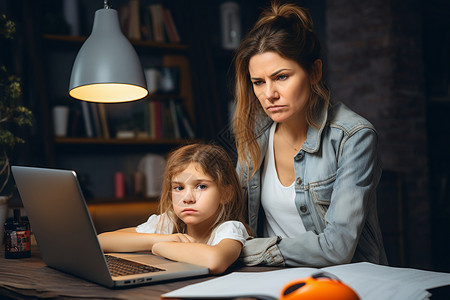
137,43
104,147
113,141
121,201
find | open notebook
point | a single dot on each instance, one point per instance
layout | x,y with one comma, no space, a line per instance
67,239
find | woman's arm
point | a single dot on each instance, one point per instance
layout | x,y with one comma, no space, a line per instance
128,240
216,258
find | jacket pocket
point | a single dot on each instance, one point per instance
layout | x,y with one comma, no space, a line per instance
320,192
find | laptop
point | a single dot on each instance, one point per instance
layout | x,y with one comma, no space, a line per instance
67,238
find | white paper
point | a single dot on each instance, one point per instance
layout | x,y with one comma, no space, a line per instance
264,285
368,280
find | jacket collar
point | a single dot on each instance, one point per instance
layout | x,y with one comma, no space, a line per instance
312,143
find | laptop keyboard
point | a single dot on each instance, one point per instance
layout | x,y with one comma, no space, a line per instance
121,267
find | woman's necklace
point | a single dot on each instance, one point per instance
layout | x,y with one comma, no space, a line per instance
285,140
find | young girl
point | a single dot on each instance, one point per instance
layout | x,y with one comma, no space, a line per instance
201,211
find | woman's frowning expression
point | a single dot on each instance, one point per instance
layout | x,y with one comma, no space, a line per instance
281,85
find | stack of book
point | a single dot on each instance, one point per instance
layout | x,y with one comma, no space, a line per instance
152,22
168,119
155,119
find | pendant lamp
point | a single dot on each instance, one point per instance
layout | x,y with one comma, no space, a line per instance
107,68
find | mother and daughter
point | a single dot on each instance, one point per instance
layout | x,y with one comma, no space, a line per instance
307,168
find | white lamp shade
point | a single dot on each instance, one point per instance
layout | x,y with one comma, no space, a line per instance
107,68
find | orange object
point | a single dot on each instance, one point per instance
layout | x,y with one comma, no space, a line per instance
319,286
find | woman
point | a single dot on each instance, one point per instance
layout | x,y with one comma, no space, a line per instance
309,168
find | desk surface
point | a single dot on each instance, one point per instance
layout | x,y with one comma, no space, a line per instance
32,278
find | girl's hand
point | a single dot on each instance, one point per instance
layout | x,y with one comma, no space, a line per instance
128,240
172,238
181,238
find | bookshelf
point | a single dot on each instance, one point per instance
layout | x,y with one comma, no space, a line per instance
97,157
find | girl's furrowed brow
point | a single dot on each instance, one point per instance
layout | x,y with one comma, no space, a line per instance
194,180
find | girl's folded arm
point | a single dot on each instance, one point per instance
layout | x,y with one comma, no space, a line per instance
128,240
216,258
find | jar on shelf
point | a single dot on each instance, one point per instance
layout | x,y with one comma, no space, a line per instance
17,237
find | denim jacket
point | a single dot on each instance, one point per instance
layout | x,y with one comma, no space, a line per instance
337,171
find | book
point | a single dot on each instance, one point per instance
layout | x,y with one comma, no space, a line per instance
96,119
157,22
140,117
167,122
129,19
146,28
75,128
156,119
151,125
134,30
369,281
87,119
185,124
103,120
170,26
173,113
124,18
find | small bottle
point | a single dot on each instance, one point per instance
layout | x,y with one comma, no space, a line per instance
17,237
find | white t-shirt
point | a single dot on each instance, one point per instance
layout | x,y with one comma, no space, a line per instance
278,201
234,230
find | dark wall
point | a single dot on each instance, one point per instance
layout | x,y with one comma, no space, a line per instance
377,61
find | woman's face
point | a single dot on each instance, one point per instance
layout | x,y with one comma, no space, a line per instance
281,85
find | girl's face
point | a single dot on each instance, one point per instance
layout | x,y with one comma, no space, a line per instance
195,196
282,86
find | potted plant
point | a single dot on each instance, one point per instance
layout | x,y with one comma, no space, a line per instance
12,117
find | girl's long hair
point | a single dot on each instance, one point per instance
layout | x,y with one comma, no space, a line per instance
287,30
214,162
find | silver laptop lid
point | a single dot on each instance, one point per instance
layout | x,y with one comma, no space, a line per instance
60,220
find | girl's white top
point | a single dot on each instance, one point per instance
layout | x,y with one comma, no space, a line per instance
234,230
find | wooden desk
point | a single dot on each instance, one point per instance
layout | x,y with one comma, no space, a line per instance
31,278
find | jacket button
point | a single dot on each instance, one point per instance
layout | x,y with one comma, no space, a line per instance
298,181
303,208
298,157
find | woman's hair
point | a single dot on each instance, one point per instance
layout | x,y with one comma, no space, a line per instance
287,30
214,162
